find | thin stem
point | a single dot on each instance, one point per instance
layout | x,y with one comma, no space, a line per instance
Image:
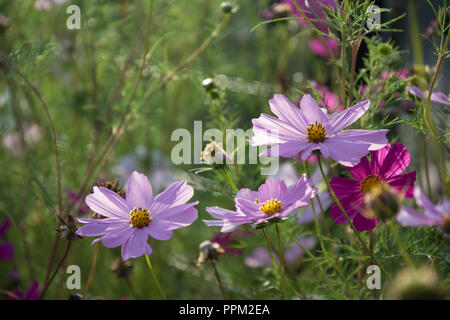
66,253
336,264
427,170
154,277
219,281
230,180
91,272
36,91
275,263
400,244
280,254
336,200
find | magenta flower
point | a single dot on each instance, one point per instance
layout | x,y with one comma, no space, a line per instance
385,166
314,10
77,199
299,131
318,47
6,249
129,222
433,215
438,97
272,200
31,294
227,240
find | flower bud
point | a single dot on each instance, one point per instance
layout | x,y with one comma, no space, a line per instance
416,284
227,7
208,84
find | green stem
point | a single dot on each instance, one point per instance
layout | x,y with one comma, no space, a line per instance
275,263
280,254
400,244
230,180
336,200
155,279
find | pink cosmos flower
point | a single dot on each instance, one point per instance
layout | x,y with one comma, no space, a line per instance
318,47
385,166
299,131
260,257
314,10
31,294
438,97
273,200
433,215
130,221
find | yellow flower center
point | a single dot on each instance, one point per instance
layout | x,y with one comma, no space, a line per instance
139,217
316,132
370,183
270,206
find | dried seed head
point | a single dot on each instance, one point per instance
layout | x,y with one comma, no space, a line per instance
121,268
209,251
68,228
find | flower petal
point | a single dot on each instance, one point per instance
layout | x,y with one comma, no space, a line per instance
396,160
177,193
311,110
363,224
411,218
403,183
136,245
139,191
345,118
288,112
108,203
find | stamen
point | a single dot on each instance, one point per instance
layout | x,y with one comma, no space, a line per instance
139,217
271,206
369,183
316,132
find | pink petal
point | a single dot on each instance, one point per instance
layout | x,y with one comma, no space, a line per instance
403,183
271,189
288,112
108,204
139,191
311,110
287,149
396,160
423,201
363,224
177,193
411,218
184,214
345,118
136,245
361,170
